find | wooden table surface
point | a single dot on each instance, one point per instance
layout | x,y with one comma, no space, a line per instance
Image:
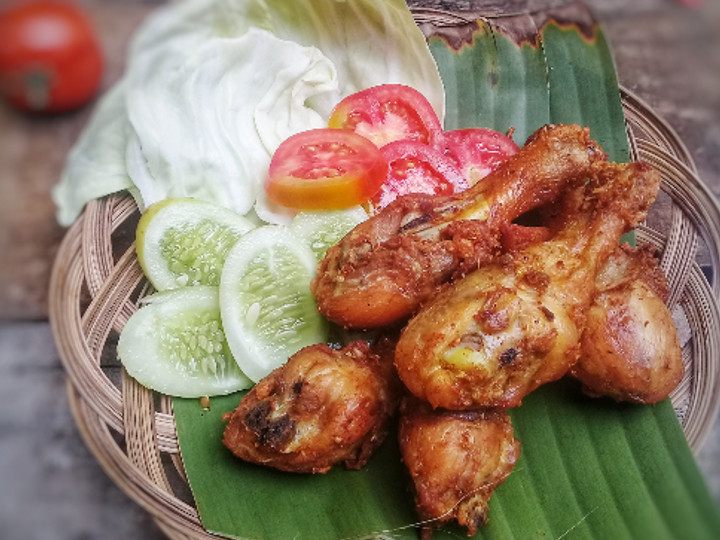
51,486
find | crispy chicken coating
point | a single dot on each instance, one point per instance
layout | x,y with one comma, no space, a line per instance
630,349
456,460
324,406
494,336
386,267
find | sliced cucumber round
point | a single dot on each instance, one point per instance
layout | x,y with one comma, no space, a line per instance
184,241
325,228
175,344
267,309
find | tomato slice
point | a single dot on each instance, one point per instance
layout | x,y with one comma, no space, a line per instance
415,167
325,169
477,151
387,113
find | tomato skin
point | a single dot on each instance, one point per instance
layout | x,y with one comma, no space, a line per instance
477,151
50,59
415,167
325,169
387,113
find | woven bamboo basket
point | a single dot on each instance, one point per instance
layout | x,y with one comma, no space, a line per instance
97,282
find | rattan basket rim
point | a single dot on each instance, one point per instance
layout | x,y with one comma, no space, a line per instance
132,433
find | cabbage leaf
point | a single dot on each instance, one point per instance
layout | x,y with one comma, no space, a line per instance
213,86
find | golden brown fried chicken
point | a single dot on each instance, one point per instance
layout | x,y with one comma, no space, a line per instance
324,406
494,336
456,460
630,349
386,267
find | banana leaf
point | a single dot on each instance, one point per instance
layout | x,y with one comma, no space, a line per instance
589,468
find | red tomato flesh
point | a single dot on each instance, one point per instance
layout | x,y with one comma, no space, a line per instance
50,60
387,113
477,151
323,169
415,167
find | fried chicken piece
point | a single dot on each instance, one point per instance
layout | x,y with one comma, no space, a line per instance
514,237
386,267
456,460
324,406
630,349
492,337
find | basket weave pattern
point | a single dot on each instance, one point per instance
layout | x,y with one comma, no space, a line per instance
97,282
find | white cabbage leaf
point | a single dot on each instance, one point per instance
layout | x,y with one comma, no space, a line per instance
212,88
95,166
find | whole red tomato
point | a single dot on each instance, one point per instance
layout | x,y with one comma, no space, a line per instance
50,60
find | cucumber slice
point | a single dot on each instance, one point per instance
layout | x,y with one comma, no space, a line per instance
323,229
176,345
267,309
184,241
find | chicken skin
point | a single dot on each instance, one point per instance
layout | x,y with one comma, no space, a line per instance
492,337
385,268
455,460
630,349
324,406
